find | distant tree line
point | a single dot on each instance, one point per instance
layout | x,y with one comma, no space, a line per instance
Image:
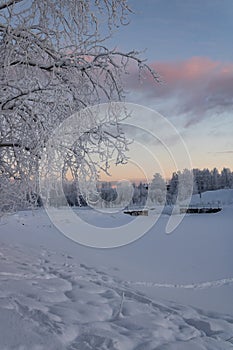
157,192
209,180
203,180
160,192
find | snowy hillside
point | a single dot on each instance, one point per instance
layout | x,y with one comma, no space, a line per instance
161,292
221,197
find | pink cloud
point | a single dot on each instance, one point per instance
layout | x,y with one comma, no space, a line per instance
190,70
199,85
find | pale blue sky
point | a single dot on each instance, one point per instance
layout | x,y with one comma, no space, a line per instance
190,44
179,29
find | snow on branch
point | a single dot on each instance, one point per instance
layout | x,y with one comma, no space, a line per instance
54,62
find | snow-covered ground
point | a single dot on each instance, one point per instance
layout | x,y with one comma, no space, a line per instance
160,292
215,198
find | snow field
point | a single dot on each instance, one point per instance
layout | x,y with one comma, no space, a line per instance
160,292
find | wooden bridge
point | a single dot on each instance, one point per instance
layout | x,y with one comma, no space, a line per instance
201,210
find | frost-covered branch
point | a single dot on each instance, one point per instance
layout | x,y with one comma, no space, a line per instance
54,62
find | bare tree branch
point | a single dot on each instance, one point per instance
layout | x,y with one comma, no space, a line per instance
9,3
53,63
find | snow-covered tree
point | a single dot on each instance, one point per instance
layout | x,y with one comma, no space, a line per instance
226,180
54,61
125,192
143,189
157,190
181,186
107,193
185,186
172,189
214,179
199,181
136,200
